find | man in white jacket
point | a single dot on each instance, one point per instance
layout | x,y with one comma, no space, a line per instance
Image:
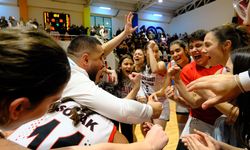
86,57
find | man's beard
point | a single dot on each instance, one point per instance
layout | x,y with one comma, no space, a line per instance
92,74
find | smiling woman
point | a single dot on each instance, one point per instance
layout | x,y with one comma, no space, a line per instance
220,41
179,52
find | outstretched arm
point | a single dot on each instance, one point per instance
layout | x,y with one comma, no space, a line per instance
161,92
156,139
112,44
7,145
225,87
152,61
203,141
191,98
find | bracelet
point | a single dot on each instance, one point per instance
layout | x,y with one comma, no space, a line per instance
236,79
233,113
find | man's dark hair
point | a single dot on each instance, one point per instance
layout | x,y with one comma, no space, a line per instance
82,44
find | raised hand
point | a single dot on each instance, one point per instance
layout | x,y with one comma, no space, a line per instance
174,72
151,45
247,19
128,26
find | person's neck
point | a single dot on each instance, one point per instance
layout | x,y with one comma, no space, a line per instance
204,65
138,67
75,60
185,62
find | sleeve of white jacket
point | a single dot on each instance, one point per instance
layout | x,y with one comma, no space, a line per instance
87,93
245,80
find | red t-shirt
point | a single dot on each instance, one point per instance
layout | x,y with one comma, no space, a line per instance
192,72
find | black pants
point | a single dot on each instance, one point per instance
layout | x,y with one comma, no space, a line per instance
126,129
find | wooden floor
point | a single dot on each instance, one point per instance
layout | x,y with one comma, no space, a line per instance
171,130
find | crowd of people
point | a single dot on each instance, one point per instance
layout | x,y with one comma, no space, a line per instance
12,22
51,99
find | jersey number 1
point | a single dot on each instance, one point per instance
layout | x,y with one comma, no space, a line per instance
42,132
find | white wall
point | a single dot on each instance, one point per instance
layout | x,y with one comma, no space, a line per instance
118,22
37,7
9,8
155,24
206,17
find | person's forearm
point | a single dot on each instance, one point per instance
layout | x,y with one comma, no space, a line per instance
132,94
224,108
132,146
7,145
118,109
152,61
112,44
231,111
166,83
225,146
112,146
160,93
191,98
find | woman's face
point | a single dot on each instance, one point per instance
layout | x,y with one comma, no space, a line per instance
196,51
31,113
138,57
127,66
214,50
178,55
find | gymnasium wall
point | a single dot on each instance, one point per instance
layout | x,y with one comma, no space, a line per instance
118,22
37,7
9,8
206,17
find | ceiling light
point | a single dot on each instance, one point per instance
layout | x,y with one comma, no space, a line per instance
107,8
157,15
160,1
